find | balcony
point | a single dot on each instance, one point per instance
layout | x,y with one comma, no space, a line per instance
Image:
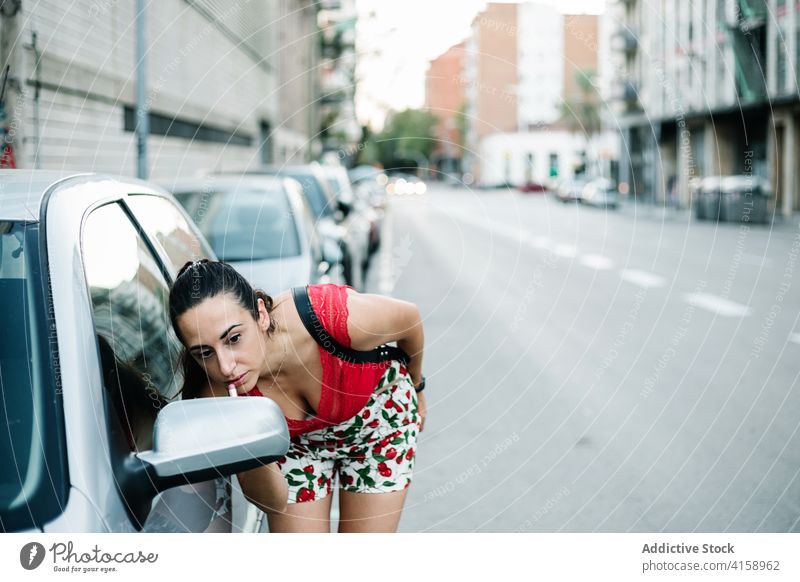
750,15
750,62
627,40
627,92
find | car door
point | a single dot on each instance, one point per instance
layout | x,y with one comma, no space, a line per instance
177,240
139,364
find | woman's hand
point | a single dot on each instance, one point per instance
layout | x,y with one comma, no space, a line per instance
422,410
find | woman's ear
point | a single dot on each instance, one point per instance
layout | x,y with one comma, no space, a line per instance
263,315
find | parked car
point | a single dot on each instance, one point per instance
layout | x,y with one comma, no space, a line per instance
369,185
362,222
331,216
600,192
570,190
261,225
533,187
371,182
732,198
89,362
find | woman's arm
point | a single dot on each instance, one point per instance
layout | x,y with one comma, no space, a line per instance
265,487
375,320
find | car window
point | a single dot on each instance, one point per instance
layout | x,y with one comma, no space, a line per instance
129,303
139,357
245,224
314,192
164,221
33,479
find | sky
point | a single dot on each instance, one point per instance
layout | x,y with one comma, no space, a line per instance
396,40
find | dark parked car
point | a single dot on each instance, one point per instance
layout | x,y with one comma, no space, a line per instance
740,198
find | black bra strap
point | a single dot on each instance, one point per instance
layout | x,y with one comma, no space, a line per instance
314,326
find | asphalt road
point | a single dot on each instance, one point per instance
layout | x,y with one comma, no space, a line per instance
592,370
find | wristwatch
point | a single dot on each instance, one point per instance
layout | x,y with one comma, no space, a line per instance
421,386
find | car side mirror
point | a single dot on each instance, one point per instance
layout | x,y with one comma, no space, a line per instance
345,208
201,439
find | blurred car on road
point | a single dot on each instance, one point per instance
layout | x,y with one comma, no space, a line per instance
370,183
600,192
405,185
89,361
739,198
533,188
570,190
261,225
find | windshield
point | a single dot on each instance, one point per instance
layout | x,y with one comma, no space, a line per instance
247,224
314,192
33,480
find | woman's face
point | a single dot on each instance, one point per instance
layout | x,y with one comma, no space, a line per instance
226,341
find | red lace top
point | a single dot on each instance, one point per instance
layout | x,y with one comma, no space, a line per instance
346,386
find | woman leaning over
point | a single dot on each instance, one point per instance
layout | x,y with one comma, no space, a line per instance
354,411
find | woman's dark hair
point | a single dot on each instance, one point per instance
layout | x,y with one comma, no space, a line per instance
196,282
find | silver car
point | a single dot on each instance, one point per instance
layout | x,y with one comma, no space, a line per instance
96,436
261,225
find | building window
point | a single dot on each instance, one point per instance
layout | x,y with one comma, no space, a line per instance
171,126
797,50
529,169
553,165
265,147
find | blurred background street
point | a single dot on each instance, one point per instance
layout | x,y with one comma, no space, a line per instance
598,371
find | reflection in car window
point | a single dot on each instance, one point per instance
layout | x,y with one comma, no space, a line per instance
129,302
139,355
245,224
160,217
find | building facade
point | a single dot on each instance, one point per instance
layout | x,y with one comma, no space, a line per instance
444,97
531,77
228,86
708,88
339,131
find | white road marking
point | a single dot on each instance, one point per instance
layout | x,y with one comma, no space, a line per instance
598,262
756,260
541,242
642,278
565,251
716,304
794,337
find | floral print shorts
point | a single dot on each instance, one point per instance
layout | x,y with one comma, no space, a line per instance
372,452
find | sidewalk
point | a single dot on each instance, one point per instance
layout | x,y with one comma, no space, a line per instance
659,213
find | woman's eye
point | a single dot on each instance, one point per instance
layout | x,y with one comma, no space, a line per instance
234,339
204,355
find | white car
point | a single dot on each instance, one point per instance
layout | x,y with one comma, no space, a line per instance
96,436
359,221
261,225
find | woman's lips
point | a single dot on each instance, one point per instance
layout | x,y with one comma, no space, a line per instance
238,382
